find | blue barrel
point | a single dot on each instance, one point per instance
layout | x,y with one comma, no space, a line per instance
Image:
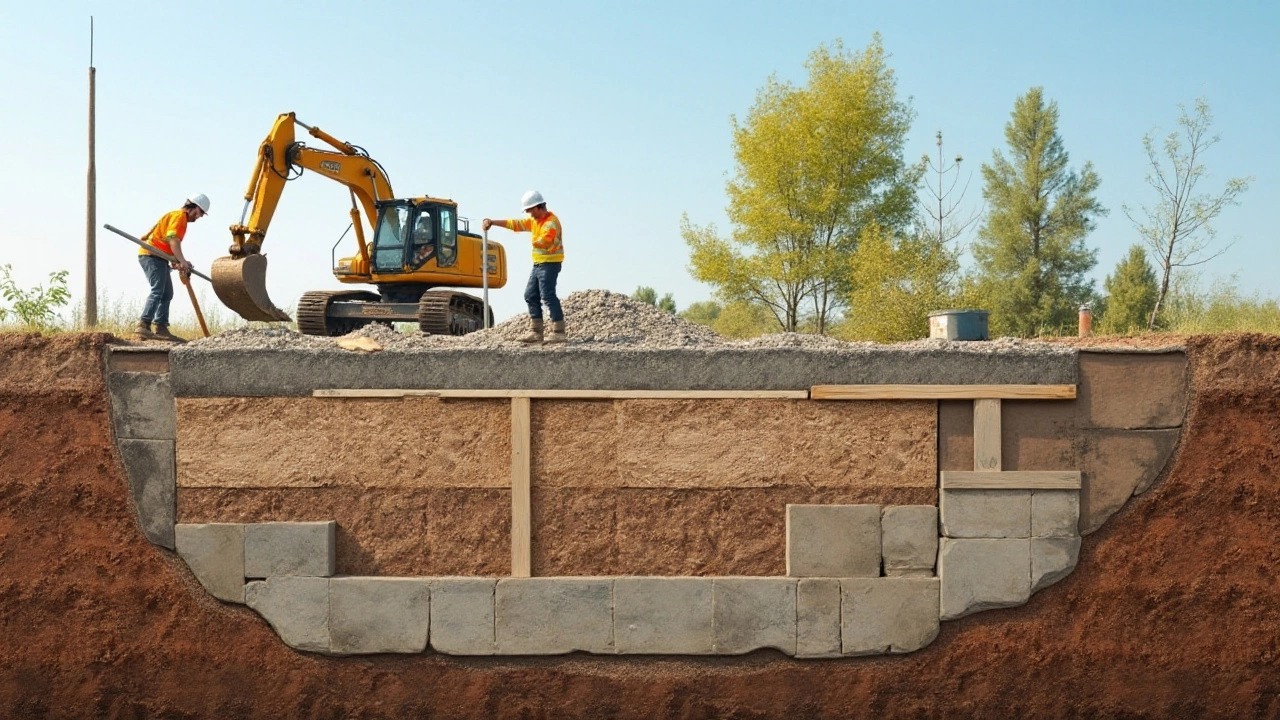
958,324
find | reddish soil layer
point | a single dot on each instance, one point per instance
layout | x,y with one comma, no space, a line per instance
1174,610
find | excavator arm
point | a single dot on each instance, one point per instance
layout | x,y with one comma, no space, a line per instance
240,278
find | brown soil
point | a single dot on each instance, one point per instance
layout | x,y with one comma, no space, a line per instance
1174,610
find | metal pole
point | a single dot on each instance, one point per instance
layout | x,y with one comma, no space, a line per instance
91,209
484,273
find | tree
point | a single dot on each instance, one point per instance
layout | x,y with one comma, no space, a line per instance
942,206
897,282
1030,253
649,296
1177,227
814,166
1131,294
703,312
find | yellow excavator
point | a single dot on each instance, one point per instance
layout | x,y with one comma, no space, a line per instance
419,245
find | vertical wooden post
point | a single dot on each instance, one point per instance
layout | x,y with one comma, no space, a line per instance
986,434
91,209
521,515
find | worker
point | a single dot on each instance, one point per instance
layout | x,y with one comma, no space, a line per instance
166,235
548,255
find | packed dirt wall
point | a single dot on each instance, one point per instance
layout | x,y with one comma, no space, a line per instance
1173,610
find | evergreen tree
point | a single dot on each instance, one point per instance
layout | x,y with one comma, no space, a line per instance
1131,294
1031,257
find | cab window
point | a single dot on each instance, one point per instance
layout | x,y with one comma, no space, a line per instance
448,237
424,238
388,244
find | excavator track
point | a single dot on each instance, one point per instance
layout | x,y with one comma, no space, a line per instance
313,312
444,312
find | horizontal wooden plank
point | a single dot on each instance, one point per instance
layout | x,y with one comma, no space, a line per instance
943,392
1011,480
575,394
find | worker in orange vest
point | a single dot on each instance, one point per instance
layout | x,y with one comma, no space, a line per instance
548,254
166,235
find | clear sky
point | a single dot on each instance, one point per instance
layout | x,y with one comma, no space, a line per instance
618,112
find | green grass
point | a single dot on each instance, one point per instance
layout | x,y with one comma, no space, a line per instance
119,316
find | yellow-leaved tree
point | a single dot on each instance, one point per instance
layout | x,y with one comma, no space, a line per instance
897,280
814,166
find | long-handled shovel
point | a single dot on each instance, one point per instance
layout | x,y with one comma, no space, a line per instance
185,279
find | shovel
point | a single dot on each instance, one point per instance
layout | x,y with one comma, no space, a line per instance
185,279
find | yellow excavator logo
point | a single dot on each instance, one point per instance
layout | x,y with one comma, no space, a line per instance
331,166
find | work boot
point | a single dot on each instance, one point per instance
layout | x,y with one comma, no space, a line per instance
143,331
162,333
557,333
535,333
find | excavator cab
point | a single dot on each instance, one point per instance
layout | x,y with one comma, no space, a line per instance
410,235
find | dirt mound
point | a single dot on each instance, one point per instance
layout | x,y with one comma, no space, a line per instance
1173,611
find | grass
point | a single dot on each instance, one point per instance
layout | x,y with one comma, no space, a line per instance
119,316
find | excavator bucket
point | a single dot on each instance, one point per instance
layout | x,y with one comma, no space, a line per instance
241,284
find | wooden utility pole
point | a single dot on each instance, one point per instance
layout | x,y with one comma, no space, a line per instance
91,210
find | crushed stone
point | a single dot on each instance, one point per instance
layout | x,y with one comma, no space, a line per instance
604,320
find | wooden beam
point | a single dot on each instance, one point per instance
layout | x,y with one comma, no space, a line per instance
943,392
1011,480
573,394
521,509
986,435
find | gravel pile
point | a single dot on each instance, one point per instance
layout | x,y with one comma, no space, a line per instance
604,320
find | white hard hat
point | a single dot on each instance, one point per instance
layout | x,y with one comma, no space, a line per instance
200,200
531,199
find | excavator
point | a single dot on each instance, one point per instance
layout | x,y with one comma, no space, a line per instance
419,245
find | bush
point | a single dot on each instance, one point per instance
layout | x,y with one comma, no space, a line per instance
35,307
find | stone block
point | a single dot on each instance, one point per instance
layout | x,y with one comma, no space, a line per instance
304,549
1117,464
215,554
149,465
909,538
662,615
462,615
370,615
985,513
1133,390
982,574
296,607
888,615
753,613
1054,513
552,616
833,540
142,405
818,618
1052,558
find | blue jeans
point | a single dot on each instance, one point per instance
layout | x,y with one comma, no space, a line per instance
542,289
157,306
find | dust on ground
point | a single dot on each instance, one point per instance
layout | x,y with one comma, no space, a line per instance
1173,611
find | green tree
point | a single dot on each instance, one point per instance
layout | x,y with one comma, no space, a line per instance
35,307
667,303
1177,227
814,166
897,281
1030,253
703,312
646,295
1131,294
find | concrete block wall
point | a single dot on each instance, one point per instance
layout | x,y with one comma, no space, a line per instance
144,422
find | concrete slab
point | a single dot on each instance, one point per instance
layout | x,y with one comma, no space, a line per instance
215,554
1055,513
1133,391
888,615
818,618
290,548
662,615
1117,464
149,465
207,371
833,540
985,513
752,613
462,615
132,358
553,616
983,574
1052,559
297,608
909,539
142,405
369,615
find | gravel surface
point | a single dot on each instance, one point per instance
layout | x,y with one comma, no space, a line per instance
600,319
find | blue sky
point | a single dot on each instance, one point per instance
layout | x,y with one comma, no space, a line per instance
618,112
